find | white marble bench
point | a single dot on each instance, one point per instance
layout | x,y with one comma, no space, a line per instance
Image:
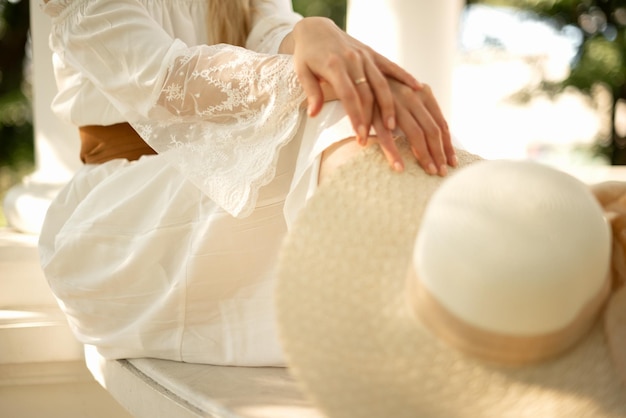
153,388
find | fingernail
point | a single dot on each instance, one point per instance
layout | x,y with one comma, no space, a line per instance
443,170
398,166
432,169
309,108
391,123
362,134
454,161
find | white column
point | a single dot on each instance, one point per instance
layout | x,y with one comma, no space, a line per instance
420,35
56,143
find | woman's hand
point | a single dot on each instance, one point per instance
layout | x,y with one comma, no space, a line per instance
612,197
421,121
374,92
323,53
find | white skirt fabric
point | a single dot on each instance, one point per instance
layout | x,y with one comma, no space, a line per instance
144,265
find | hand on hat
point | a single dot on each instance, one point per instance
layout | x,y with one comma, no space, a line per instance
612,197
374,91
420,119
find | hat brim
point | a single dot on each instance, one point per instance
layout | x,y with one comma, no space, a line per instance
352,340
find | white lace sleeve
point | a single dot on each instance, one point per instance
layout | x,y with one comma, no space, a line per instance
219,113
221,116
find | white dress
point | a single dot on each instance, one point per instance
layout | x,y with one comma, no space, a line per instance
172,256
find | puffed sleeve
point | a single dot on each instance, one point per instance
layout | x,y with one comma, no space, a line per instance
219,113
272,20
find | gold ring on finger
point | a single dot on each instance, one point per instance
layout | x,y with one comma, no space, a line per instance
360,81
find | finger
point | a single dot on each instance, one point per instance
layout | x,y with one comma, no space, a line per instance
387,144
338,76
435,111
311,86
415,136
367,99
382,92
388,67
393,70
350,97
449,149
432,136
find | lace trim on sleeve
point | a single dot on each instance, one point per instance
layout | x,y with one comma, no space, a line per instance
221,117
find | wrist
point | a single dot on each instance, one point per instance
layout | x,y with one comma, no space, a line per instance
308,26
287,45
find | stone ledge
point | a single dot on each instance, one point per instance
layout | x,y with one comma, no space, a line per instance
40,373
35,340
22,280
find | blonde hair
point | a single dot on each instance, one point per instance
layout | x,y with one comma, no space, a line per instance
229,21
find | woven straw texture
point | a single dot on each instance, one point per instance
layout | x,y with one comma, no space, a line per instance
352,341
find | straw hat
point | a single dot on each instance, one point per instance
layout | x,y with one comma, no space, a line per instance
498,315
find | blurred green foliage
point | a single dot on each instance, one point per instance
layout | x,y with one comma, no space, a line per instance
16,132
334,9
601,57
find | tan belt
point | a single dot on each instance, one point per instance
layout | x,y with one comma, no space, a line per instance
100,144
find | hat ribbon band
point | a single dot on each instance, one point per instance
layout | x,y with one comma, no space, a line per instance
506,349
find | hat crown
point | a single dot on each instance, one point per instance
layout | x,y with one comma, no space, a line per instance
513,247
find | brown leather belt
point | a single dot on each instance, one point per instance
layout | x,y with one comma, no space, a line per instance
99,144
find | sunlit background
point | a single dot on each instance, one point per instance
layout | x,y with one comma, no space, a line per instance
508,96
544,80
541,79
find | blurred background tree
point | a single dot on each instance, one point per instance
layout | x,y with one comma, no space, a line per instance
334,9
16,130
16,133
601,56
